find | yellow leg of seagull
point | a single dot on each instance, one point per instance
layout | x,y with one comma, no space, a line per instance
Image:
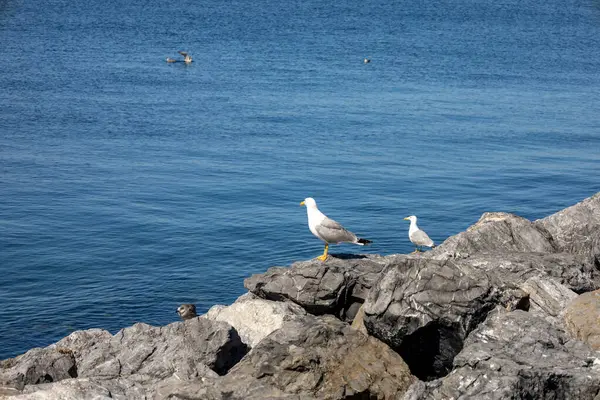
324,256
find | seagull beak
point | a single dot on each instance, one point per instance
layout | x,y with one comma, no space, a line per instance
302,203
408,219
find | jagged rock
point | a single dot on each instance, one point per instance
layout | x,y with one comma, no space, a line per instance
94,389
315,357
331,287
159,352
255,318
69,389
218,390
425,308
359,321
547,297
136,359
516,268
582,318
37,366
423,300
576,229
79,341
569,239
496,232
518,355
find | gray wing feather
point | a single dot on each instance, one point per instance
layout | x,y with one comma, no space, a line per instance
332,232
420,238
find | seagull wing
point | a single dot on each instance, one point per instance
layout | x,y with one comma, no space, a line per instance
420,238
333,232
183,53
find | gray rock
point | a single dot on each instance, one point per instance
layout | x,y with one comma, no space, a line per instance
159,352
518,355
330,287
78,341
130,364
92,388
496,232
565,245
425,308
312,358
516,268
37,366
69,389
417,391
255,318
359,321
220,390
547,297
576,229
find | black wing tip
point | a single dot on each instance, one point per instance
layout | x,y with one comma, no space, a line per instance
364,241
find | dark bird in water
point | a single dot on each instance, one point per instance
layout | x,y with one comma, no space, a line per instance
187,311
186,57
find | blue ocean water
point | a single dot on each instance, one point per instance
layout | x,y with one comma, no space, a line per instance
129,186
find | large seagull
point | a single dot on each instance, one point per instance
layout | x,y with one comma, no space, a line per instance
327,229
418,237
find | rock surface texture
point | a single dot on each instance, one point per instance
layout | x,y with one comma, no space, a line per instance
508,309
582,318
255,318
336,287
309,358
132,362
425,308
517,355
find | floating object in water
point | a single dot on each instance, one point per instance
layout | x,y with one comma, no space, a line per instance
186,57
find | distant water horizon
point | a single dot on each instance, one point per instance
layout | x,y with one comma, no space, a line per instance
130,185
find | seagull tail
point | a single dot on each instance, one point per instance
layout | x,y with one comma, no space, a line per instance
362,242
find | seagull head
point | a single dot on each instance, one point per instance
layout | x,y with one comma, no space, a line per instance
412,218
309,202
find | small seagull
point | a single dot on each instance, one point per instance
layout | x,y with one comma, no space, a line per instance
418,237
186,57
366,60
327,229
186,311
171,60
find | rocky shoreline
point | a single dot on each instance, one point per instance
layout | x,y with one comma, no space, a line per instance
508,309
